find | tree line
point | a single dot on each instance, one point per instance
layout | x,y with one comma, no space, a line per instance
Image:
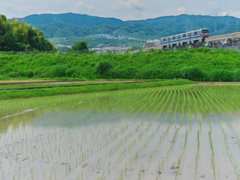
15,36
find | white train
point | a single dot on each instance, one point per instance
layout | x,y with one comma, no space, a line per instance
190,37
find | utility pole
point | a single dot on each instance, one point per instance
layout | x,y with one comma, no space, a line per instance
227,19
215,28
175,20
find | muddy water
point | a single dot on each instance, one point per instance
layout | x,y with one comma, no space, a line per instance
178,132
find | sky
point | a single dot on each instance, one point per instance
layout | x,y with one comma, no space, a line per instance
121,9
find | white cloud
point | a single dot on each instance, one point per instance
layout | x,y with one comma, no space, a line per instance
81,4
14,7
129,4
122,9
230,13
181,10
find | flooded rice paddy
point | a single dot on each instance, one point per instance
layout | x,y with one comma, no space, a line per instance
175,132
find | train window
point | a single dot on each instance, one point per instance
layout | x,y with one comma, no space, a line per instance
195,33
164,39
173,38
184,35
205,31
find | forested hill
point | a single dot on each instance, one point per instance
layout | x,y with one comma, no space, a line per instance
71,18
60,29
65,25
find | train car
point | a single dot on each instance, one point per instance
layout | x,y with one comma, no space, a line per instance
187,38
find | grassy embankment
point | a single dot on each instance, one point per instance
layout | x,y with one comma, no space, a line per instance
197,64
10,94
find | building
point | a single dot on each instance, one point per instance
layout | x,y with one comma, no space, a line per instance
149,44
103,45
156,42
113,35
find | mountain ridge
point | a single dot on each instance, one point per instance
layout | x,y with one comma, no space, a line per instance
82,25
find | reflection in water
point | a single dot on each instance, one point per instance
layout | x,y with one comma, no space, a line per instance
154,133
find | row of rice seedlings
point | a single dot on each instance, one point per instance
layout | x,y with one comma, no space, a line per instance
212,157
225,137
131,145
234,164
190,112
162,137
175,134
130,112
124,152
158,127
147,141
184,100
223,104
197,155
210,139
118,143
134,141
148,126
122,132
180,156
228,98
152,94
195,106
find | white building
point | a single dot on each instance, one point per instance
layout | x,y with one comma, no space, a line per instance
156,42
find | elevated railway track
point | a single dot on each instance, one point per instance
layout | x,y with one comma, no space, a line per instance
200,38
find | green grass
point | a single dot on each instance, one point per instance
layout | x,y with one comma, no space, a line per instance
199,64
9,85
10,94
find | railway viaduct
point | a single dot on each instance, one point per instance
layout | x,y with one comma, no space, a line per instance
232,40
214,42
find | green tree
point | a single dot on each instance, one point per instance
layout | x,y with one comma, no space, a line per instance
11,43
15,36
80,46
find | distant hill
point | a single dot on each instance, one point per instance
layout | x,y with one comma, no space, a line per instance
71,18
78,25
88,21
58,29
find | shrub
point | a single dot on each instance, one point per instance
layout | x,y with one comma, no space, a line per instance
70,72
192,73
58,71
220,75
103,67
80,46
236,75
26,73
125,73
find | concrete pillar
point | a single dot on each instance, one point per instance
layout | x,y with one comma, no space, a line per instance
234,44
191,46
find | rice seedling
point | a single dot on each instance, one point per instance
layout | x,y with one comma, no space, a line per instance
197,155
180,156
121,131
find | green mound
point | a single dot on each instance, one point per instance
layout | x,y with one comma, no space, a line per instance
198,65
